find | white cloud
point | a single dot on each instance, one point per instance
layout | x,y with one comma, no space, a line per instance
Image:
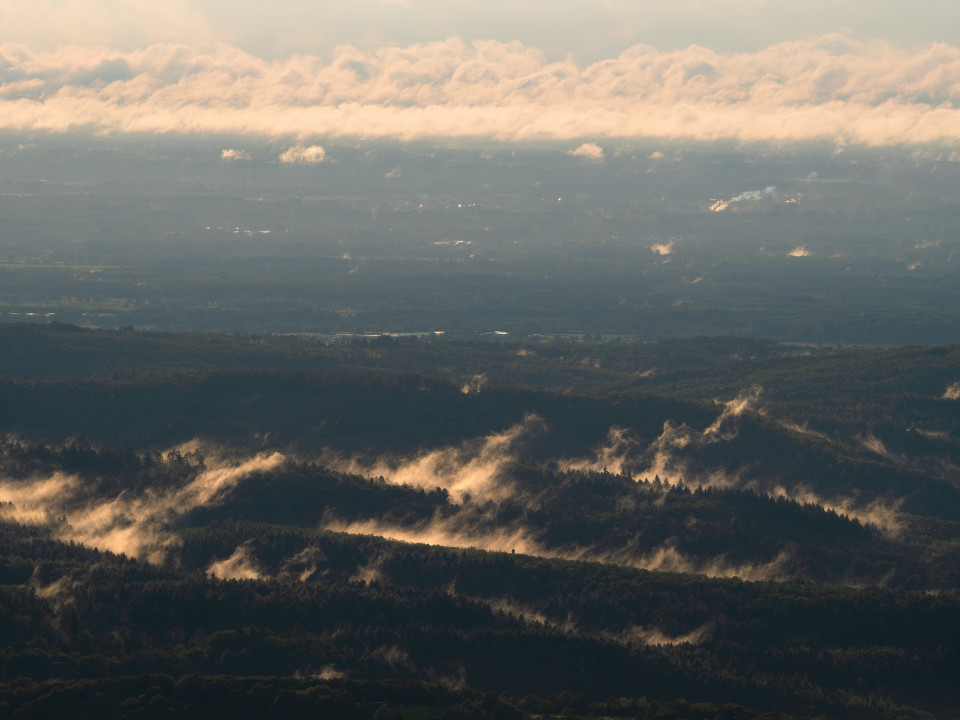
301,155
232,154
663,248
588,150
828,88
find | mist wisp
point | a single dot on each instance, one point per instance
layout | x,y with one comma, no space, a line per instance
472,470
130,523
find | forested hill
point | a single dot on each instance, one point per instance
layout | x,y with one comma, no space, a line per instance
698,528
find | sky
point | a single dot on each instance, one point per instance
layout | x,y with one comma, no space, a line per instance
849,71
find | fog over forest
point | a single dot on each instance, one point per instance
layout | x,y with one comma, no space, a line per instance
405,361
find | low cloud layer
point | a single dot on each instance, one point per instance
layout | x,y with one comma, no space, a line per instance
830,87
476,474
480,470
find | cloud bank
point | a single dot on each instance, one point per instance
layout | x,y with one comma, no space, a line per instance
830,87
300,155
